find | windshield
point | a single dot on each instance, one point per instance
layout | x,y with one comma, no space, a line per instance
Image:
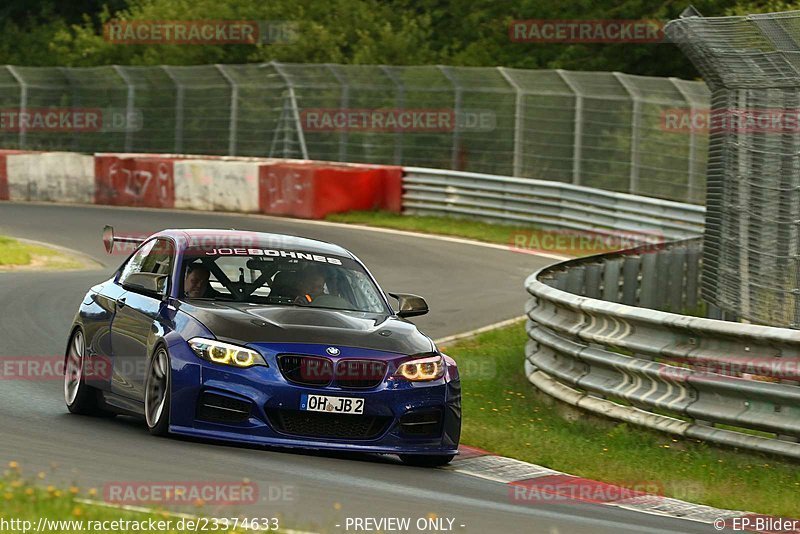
279,277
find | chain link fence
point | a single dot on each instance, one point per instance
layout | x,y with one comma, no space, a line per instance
597,129
752,66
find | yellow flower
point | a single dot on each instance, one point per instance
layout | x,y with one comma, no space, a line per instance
51,489
8,496
199,503
41,475
92,492
29,492
13,465
77,511
73,490
57,493
337,506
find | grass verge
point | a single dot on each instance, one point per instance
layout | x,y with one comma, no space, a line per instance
503,415
64,513
16,255
520,238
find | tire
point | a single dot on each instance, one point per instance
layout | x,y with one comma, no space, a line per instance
426,460
157,391
79,397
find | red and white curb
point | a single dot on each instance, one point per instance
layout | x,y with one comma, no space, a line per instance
531,484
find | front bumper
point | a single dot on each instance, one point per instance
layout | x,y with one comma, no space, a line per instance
389,424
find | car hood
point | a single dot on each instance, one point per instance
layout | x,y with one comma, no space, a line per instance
237,322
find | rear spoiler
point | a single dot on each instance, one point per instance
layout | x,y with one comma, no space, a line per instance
109,239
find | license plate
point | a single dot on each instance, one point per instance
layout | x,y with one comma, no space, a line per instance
324,403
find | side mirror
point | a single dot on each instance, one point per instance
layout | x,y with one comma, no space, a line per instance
409,305
154,285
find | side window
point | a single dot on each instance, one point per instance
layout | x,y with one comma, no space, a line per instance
150,267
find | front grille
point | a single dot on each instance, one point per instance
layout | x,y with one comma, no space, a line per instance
422,423
326,425
306,370
221,409
360,374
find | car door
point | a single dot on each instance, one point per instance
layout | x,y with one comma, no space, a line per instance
139,310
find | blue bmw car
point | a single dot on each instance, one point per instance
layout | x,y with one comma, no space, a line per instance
263,339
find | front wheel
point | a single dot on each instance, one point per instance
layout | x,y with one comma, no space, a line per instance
157,394
425,460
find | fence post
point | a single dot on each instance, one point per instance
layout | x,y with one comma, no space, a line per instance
130,100
691,183
636,127
518,117
456,113
344,105
23,103
400,100
179,98
233,125
295,110
577,142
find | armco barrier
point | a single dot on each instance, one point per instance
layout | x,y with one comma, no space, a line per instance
134,181
675,373
524,201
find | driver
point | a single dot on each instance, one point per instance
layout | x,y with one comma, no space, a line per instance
195,284
311,284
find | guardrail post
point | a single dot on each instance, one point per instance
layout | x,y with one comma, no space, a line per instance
647,293
577,136
592,281
575,279
23,104
611,280
518,120
692,278
630,280
234,115
677,279
662,277
179,98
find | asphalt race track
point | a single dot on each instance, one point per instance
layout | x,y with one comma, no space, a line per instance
466,286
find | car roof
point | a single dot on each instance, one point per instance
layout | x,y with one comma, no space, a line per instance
216,238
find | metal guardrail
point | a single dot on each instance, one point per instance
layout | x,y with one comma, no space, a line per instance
546,203
665,371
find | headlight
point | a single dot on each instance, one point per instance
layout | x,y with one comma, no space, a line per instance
225,353
422,369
